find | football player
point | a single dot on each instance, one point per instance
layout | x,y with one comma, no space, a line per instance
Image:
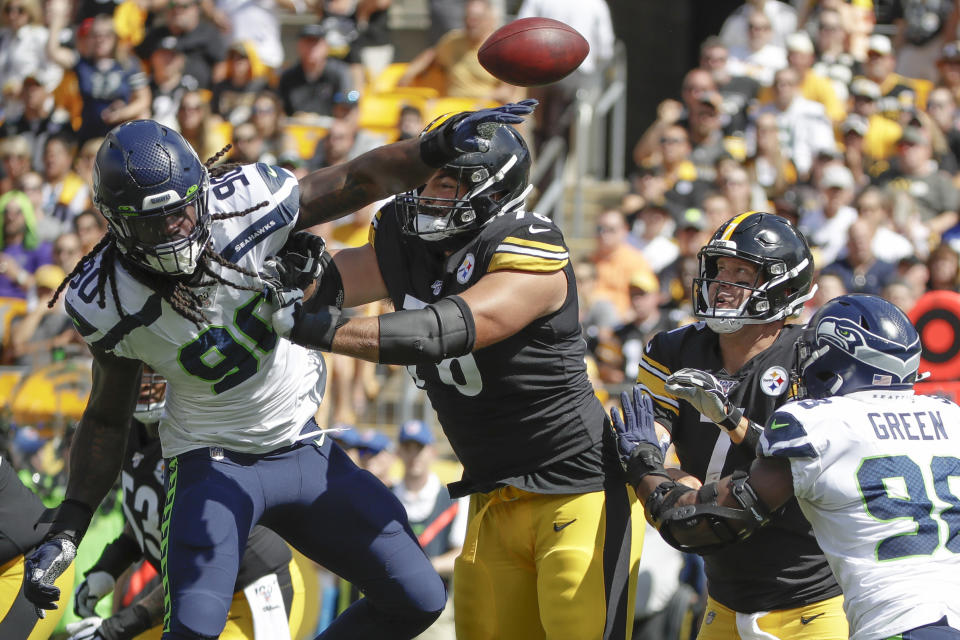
732,369
873,466
487,323
175,284
269,592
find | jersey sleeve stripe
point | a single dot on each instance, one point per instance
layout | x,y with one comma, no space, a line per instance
532,251
514,262
666,403
147,315
555,248
374,223
654,386
655,367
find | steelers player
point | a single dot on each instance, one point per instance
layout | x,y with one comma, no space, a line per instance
270,591
733,369
19,509
487,323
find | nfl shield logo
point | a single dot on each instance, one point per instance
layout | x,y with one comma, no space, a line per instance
774,381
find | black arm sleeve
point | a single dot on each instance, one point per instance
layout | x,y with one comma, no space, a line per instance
329,291
444,329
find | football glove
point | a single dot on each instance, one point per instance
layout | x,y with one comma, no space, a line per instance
464,133
42,567
287,303
300,262
126,624
638,446
94,587
703,391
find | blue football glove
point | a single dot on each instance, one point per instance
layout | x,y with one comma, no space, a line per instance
639,447
44,565
467,133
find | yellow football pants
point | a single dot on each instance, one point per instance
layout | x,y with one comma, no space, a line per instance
822,620
22,621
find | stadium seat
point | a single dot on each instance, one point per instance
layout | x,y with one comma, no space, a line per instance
380,112
428,85
305,136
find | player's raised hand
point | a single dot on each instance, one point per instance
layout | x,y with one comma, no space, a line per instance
637,442
703,391
464,132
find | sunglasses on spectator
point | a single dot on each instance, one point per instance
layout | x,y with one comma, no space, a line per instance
14,8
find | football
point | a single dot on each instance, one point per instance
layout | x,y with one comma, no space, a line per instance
533,51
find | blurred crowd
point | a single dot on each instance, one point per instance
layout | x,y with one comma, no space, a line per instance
840,115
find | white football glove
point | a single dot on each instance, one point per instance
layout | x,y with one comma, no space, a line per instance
85,629
94,587
703,391
285,300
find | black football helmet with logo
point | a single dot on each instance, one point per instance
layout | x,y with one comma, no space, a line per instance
152,188
488,183
784,271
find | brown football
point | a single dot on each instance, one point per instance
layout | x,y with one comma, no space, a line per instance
533,51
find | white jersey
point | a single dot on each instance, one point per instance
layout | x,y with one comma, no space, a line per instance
232,383
877,474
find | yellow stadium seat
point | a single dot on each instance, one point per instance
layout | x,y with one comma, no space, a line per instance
305,136
56,391
440,106
380,112
427,85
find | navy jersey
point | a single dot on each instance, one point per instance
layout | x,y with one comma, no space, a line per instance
143,498
521,411
780,566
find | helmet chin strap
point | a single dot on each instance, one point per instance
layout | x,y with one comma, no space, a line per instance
725,325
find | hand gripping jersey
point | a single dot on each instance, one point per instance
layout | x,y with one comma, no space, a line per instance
232,383
780,565
877,473
523,404
142,479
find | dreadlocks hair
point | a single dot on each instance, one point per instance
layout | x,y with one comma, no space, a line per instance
175,291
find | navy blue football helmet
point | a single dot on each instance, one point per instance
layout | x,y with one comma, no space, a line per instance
857,342
489,182
152,188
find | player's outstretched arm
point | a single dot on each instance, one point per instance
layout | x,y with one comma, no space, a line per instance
333,192
701,521
95,461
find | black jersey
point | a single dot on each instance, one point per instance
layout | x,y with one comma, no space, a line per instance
780,566
143,497
20,509
521,411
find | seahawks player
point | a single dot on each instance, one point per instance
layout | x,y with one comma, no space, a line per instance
175,284
487,323
732,369
873,466
269,589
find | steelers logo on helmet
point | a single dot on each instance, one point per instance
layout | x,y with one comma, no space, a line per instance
152,188
757,268
474,188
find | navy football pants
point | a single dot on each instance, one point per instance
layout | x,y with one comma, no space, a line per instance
320,502
938,630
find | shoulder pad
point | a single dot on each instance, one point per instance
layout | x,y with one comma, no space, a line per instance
784,435
522,241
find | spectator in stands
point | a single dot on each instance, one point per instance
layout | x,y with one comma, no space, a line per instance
691,234
781,16
32,185
682,181
742,194
696,83
268,119
44,334
882,134
246,76
645,321
342,142
900,94
652,230
706,135
944,269
21,253
456,57
338,18
89,227
374,41
616,262
255,23
83,163
852,132
922,26
591,18
876,206
15,154
598,316
804,126
738,92
829,286
942,109
901,294
861,270
376,455
168,84
769,167
23,39
717,209
248,146
438,521
201,128
111,90
201,42
813,85
39,119
948,68
445,16
916,173
826,226
411,122
308,86
64,192
834,60
67,251
757,56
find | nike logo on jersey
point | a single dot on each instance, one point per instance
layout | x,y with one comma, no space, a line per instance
804,620
560,527
778,425
535,229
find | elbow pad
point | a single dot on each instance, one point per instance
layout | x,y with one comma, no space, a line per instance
444,329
